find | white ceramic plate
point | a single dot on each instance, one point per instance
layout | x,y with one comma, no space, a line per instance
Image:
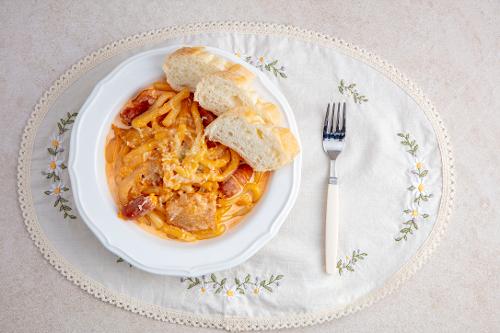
140,248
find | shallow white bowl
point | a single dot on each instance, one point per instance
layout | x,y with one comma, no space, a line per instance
140,248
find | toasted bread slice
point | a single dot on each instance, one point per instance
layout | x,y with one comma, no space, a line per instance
188,65
260,143
269,112
225,90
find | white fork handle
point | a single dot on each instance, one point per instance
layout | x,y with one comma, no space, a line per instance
332,228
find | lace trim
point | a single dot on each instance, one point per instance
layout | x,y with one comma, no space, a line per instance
224,322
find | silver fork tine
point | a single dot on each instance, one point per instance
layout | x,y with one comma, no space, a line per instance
343,119
332,119
325,125
338,119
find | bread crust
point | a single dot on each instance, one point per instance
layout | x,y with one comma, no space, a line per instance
196,61
277,146
247,124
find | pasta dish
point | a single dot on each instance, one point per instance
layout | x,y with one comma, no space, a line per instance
167,177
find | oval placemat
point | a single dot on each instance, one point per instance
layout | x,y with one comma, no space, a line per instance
396,178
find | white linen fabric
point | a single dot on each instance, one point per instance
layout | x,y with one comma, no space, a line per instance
395,190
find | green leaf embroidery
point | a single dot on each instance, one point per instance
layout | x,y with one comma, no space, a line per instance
242,286
411,144
60,202
351,90
269,66
349,262
267,288
420,196
64,123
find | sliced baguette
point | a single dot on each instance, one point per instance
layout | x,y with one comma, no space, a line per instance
188,65
262,145
225,90
269,112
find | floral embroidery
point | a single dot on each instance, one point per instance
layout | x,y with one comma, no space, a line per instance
265,65
350,90
56,166
418,189
414,213
348,263
246,286
56,141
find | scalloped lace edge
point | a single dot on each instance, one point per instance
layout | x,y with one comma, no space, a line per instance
225,322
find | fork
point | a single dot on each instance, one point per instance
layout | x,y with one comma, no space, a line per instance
333,144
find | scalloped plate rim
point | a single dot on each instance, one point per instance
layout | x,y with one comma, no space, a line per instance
188,270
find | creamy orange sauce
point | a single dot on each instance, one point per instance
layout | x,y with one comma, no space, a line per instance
163,156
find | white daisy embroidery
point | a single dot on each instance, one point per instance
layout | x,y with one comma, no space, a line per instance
246,286
230,292
203,286
419,189
56,164
57,188
419,168
419,164
56,141
415,213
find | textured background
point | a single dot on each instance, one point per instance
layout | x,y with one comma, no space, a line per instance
451,49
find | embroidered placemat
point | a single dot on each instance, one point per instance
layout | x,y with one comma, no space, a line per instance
396,187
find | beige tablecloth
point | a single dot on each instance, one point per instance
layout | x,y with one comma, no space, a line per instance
452,57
